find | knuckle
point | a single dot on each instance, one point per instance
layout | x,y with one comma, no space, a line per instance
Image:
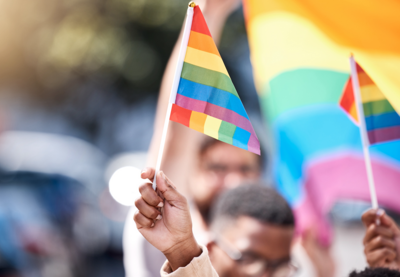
138,202
143,187
387,252
153,201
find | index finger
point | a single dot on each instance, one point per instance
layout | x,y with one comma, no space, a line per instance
148,173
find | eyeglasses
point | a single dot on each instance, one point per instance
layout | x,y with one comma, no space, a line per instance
253,266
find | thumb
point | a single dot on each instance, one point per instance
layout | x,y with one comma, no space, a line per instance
168,190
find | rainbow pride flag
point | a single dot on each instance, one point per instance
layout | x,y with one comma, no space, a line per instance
206,100
300,57
381,120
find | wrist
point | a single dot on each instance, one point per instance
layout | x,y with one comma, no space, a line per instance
182,253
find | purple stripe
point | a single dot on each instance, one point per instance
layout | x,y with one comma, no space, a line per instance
384,134
217,112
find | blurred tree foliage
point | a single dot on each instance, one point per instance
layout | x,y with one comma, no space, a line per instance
49,49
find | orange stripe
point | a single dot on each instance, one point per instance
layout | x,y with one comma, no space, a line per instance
353,112
202,42
197,121
364,79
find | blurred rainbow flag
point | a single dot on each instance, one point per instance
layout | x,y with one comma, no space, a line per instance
299,50
381,120
206,100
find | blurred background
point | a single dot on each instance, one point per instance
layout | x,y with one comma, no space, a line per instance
79,82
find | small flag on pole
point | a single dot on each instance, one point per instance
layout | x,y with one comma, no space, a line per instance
367,106
381,120
206,99
203,96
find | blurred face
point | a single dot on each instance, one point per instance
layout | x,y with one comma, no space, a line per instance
222,166
264,250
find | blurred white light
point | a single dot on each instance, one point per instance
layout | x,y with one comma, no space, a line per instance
124,185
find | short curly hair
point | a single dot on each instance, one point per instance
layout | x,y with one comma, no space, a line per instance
376,272
253,200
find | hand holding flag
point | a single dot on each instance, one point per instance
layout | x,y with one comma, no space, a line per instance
367,106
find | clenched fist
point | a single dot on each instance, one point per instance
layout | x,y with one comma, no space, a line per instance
381,240
163,218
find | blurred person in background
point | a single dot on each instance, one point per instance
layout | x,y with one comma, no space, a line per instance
381,240
252,226
253,230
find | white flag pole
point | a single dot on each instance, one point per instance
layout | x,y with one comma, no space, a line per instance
363,132
175,84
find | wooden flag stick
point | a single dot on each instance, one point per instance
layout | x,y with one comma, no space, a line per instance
363,132
175,84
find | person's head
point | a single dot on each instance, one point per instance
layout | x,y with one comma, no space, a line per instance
376,272
253,228
221,166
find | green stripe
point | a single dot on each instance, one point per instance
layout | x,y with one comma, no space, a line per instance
302,87
226,132
377,107
208,77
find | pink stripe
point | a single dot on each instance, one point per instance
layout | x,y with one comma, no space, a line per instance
254,145
220,113
343,177
384,134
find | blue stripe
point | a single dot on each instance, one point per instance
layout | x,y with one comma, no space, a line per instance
382,121
241,138
211,95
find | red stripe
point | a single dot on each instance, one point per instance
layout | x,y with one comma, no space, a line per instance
359,68
347,99
199,23
384,134
180,115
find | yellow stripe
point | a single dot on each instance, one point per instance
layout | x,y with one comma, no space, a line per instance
281,41
384,69
371,93
205,60
211,127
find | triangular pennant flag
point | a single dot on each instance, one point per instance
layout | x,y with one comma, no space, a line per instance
206,100
381,120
